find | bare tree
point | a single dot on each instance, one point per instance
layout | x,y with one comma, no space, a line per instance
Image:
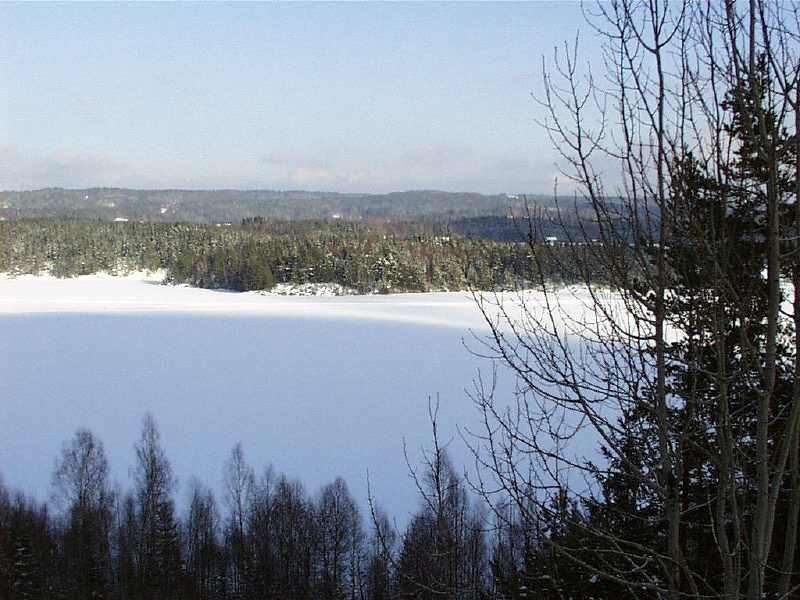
239,487
657,424
202,548
340,543
261,528
443,553
380,576
157,556
81,485
293,537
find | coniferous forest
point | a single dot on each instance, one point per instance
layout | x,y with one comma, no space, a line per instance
256,254
683,367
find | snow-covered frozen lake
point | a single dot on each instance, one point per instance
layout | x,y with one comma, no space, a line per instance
316,386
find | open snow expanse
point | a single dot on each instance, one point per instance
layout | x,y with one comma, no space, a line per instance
316,386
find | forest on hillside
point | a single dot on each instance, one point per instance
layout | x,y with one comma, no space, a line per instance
222,206
256,254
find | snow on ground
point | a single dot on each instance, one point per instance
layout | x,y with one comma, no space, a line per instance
316,386
146,293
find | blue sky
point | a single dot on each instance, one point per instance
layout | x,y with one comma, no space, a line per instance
349,97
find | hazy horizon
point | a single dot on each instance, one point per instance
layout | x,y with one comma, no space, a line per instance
263,189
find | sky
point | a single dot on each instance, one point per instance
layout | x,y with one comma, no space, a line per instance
364,97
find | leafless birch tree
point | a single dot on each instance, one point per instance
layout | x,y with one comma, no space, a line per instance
653,441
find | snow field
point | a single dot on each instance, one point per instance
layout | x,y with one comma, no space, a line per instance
316,386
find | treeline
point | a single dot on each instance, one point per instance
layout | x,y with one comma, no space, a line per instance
267,537
257,254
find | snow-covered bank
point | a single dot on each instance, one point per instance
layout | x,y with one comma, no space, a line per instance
317,386
311,289
146,293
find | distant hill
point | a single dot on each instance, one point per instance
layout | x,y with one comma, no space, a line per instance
216,206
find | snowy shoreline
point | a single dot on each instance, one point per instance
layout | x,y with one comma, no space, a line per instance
159,278
142,292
